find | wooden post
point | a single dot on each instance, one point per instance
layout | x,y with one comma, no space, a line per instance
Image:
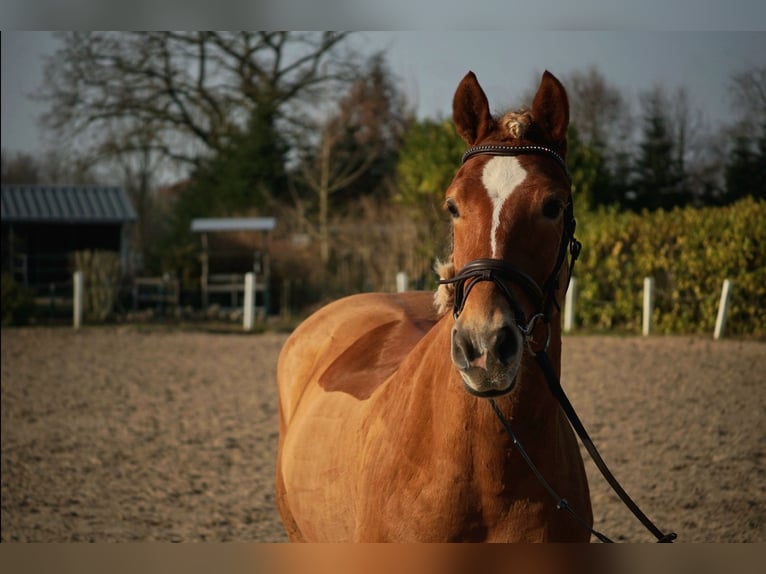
569,306
266,275
648,305
249,311
401,282
77,299
723,309
52,302
205,271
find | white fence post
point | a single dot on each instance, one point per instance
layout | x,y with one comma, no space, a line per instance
401,282
723,309
648,305
249,311
569,306
77,299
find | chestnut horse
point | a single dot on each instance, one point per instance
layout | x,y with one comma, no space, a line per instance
386,433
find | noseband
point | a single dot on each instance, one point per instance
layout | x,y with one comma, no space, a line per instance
502,273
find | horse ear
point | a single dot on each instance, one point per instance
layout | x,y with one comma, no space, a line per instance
470,110
551,108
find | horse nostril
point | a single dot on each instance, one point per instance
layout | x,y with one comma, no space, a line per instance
463,351
506,345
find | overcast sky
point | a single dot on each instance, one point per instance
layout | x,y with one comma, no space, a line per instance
430,64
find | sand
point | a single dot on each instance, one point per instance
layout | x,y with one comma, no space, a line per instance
130,433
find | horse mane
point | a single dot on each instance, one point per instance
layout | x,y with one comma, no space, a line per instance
445,293
514,125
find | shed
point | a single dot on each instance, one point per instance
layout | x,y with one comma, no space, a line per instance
232,283
43,224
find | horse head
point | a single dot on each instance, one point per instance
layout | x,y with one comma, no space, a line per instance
512,223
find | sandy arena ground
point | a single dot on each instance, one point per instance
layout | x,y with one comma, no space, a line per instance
153,434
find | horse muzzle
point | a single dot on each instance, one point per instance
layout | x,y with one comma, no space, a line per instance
488,360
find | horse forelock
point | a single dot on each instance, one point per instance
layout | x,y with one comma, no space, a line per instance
514,126
516,123
522,127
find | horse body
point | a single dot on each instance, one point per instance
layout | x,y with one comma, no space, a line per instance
384,438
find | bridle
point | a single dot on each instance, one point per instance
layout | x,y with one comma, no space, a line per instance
504,275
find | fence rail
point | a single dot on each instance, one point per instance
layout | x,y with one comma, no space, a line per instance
164,290
156,290
231,283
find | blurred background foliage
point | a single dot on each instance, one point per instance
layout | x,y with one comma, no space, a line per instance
299,126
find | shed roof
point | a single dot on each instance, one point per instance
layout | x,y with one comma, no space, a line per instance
65,204
234,224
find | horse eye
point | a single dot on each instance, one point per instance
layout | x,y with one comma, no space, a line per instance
452,208
552,208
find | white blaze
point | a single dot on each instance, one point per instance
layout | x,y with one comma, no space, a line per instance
501,176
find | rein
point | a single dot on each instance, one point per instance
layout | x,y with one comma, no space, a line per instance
503,274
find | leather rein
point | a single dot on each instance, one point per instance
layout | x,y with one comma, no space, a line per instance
503,275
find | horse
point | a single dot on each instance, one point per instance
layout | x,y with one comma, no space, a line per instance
385,428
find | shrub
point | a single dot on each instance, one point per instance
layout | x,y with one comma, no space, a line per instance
17,302
101,282
689,252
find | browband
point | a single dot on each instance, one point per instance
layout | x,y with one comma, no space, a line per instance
510,150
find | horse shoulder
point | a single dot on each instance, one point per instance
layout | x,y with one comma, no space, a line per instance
353,345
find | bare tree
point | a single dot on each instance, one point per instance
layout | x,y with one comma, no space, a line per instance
745,137
697,159
22,168
152,106
599,110
50,168
137,171
330,170
368,124
190,90
675,158
748,90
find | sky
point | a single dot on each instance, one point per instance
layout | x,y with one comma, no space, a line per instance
508,64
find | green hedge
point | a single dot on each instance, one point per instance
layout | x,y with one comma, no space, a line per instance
689,252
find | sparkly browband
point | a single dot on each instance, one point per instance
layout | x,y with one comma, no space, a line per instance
499,149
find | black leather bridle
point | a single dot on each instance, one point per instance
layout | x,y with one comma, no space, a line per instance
504,275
